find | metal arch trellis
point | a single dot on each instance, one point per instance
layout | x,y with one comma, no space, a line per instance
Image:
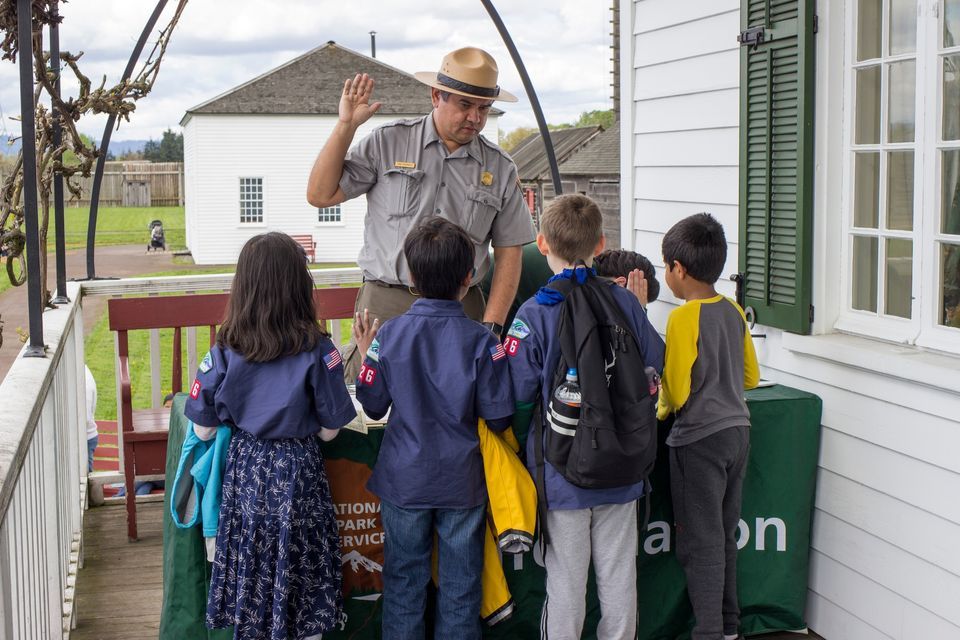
22,23
29,94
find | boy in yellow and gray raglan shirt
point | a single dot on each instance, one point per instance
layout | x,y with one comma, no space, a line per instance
709,362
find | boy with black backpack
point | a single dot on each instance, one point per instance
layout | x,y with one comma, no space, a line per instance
581,351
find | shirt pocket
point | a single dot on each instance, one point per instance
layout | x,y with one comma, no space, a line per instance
404,186
482,208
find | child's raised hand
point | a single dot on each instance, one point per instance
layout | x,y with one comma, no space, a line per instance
637,285
364,331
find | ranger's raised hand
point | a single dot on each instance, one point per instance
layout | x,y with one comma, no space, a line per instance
355,106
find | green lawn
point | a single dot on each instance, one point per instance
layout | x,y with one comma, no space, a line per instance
122,225
115,225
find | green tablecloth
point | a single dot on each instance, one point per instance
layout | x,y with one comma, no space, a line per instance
775,530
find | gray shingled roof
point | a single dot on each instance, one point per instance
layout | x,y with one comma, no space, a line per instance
313,82
601,155
531,154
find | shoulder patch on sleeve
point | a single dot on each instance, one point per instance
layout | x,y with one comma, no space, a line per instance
195,389
374,351
332,359
497,352
207,363
519,329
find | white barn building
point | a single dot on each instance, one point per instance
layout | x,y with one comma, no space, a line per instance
248,153
837,179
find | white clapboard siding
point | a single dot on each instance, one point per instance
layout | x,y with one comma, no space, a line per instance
281,151
690,112
916,530
699,184
885,563
700,37
836,622
663,214
700,75
916,580
893,615
650,15
699,148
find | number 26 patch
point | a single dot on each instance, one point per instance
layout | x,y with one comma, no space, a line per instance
367,375
511,345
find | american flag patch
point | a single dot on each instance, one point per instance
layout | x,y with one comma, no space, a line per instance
332,359
497,352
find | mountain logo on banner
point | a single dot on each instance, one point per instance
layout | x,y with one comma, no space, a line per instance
358,561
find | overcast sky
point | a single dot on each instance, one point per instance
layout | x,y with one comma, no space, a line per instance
219,45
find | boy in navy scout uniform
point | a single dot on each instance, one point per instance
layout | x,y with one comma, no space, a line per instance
435,165
438,372
584,524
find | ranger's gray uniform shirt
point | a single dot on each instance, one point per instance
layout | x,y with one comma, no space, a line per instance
408,175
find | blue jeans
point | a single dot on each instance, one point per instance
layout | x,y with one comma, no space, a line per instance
91,447
407,550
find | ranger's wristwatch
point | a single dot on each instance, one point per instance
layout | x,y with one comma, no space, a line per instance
497,329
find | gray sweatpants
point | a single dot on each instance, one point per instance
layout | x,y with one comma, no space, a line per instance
706,480
608,534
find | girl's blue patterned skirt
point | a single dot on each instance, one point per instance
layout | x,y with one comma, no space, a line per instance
276,572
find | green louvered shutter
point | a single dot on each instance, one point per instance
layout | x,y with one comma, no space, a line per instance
776,161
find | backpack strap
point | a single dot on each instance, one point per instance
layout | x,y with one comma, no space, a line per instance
642,525
539,476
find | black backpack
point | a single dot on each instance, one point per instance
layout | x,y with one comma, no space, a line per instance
614,442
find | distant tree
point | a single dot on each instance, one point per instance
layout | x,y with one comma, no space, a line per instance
510,141
604,118
70,158
168,149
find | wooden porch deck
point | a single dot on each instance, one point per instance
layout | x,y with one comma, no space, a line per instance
120,588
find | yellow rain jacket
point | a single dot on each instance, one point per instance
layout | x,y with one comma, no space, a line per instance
511,518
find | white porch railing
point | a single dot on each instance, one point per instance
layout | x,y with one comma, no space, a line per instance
42,480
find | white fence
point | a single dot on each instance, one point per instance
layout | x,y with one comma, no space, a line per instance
42,481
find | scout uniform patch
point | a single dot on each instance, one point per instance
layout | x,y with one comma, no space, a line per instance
207,363
519,329
374,351
195,389
332,359
486,178
497,352
399,164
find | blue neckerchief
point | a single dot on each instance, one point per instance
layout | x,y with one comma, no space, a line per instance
550,297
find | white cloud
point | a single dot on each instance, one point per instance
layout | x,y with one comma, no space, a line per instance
219,45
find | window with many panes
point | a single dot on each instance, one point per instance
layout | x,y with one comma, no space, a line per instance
251,200
329,214
902,248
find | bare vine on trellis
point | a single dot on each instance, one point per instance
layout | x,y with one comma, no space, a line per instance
119,100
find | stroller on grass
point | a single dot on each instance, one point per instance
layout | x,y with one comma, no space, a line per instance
158,240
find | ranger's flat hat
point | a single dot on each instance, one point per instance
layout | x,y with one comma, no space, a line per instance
467,72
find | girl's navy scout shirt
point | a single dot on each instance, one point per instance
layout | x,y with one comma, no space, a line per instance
290,397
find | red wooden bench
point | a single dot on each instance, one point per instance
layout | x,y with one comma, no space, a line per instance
309,245
144,431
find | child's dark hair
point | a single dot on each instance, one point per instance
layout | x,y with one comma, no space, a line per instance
440,255
572,226
698,243
271,311
615,263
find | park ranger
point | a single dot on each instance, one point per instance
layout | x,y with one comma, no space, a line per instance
435,165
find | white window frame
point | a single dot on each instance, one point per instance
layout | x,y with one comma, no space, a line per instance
263,199
922,329
335,209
